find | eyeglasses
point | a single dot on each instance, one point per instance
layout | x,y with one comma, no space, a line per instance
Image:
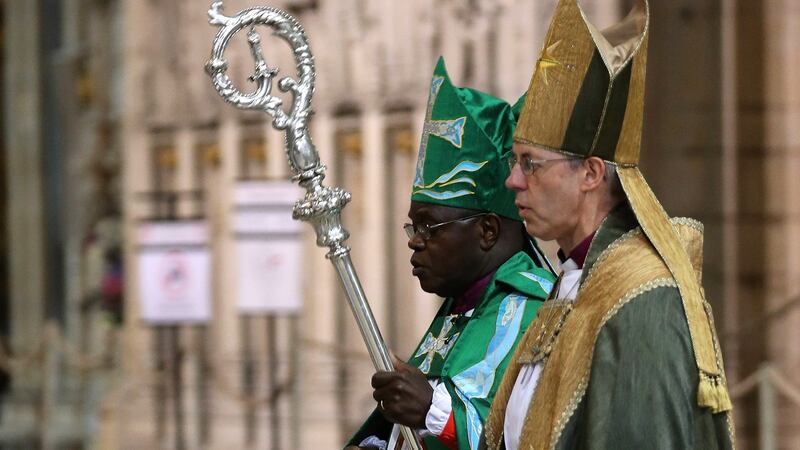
424,230
530,165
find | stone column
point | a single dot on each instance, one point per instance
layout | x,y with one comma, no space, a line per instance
451,31
751,213
127,415
729,179
402,152
782,187
483,53
515,51
25,226
373,269
23,144
184,149
226,326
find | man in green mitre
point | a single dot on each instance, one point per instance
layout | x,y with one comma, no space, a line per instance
469,247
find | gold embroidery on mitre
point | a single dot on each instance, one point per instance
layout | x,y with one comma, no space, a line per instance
548,60
563,63
571,44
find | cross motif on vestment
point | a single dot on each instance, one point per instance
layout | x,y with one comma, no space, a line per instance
440,345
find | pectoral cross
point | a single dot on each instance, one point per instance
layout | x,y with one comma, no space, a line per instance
450,130
440,345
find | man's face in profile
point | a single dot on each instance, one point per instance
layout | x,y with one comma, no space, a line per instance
446,258
547,191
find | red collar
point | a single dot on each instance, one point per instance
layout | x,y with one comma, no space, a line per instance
469,299
580,252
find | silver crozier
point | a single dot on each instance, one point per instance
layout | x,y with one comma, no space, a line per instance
322,206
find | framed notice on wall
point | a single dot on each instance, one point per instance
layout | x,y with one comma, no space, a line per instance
174,272
268,247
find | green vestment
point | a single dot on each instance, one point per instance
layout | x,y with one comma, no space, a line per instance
637,386
470,354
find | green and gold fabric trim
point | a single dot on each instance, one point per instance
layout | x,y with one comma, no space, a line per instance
629,267
667,242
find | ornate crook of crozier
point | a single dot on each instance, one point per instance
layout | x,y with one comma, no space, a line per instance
302,155
321,206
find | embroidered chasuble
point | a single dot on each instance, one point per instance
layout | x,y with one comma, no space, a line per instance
596,390
469,352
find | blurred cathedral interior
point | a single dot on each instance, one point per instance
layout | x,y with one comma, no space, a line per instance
116,149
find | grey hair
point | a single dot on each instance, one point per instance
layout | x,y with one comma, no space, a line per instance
611,178
614,184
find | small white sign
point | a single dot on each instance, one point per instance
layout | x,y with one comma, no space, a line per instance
268,248
269,275
174,272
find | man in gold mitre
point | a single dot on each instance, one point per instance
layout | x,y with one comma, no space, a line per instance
623,354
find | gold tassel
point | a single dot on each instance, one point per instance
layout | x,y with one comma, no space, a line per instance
712,393
723,398
705,392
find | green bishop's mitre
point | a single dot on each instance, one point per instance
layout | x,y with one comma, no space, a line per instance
462,155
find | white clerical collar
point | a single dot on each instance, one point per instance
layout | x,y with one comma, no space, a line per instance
568,265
